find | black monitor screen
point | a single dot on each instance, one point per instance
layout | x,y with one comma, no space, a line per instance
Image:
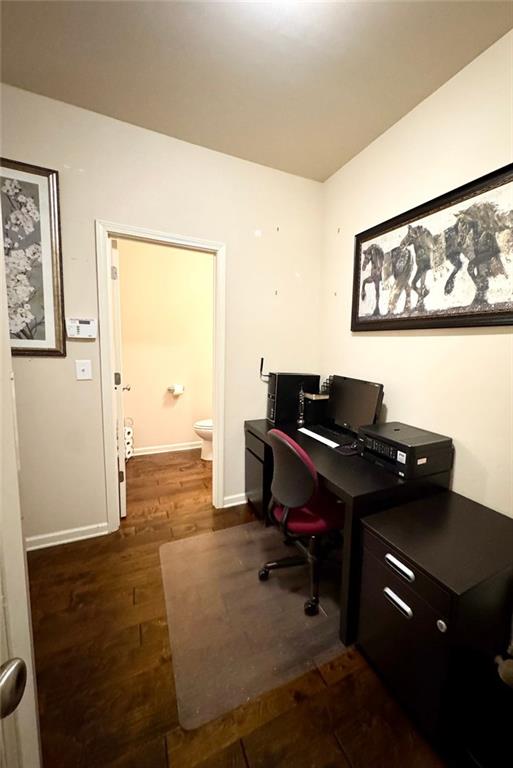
354,403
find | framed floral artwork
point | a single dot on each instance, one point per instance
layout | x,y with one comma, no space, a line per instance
29,199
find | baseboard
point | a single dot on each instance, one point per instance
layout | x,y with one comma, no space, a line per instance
149,449
235,500
64,537
100,529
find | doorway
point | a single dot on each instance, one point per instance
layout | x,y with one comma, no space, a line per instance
153,414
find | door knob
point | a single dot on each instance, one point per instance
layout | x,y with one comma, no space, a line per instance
126,388
13,678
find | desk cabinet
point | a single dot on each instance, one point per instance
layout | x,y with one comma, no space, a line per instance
258,472
398,630
435,607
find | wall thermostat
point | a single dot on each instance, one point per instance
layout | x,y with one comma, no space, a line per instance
84,328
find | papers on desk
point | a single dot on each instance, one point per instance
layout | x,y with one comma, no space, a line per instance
320,438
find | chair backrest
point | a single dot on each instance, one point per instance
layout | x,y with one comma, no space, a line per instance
294,478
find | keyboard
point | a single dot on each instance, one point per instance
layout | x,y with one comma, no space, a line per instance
319,438
340,442
341,438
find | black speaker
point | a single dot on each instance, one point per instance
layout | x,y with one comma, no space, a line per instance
316,408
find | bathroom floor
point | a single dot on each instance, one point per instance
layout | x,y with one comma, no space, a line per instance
174,489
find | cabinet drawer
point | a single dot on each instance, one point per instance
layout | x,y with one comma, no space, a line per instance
254,481
398,633
407,572
255,445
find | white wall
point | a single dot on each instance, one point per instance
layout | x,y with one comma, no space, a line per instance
167,324
118,172
458,382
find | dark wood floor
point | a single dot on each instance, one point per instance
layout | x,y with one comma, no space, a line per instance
104,667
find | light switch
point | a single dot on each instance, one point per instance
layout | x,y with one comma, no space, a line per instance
84,371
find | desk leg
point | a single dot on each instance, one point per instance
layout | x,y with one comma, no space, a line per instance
350,577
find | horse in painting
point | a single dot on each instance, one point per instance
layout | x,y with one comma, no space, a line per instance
401,265
423,244
374,256
474,235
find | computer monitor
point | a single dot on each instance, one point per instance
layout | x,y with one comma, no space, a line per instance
354,402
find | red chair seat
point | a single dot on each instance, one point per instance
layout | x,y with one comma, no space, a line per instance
324,513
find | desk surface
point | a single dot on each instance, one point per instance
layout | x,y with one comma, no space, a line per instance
352,476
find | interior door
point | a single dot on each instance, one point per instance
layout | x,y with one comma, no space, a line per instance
118,375
19,731
9,737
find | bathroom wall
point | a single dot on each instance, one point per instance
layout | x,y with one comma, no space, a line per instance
271,225
455,381
167,328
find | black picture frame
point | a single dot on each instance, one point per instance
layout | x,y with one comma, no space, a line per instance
25,342
480,312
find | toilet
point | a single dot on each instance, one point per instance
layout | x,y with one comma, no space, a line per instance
204,429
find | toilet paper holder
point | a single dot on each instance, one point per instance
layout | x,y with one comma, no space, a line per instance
176,389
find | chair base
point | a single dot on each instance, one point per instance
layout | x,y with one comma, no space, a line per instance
310,555
284,562
312,607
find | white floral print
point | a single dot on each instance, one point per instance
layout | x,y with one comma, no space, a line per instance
20,220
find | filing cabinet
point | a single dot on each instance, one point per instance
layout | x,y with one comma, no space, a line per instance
435,609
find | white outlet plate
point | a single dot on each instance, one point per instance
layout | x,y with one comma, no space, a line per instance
84,370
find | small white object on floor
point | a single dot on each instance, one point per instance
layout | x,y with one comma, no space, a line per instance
129,442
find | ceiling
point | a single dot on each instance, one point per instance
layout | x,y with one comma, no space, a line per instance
302,87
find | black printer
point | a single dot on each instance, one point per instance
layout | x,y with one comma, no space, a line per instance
406,451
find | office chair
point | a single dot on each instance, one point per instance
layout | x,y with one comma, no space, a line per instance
305,514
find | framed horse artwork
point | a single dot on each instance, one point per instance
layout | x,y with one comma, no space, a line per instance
445,263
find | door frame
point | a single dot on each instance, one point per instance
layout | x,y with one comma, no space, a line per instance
104,231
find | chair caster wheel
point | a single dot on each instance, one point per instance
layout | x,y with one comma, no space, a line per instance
263,574
311,608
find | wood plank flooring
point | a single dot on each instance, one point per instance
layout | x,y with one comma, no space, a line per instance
104,667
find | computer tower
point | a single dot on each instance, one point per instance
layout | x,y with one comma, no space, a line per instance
283,395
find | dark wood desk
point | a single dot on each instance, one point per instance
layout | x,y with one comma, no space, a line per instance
363,487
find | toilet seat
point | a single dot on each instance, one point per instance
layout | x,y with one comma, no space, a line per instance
204,424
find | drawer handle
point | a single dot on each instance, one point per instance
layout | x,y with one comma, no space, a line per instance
399,567
396,601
